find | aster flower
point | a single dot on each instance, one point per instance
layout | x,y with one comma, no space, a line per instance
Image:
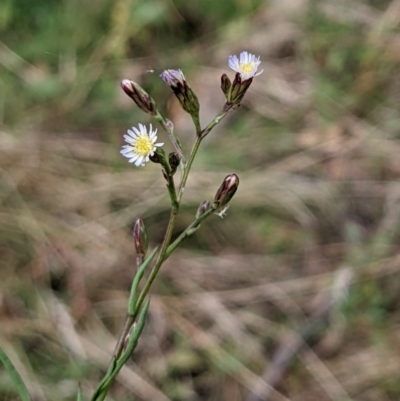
246,65
184,93
141,145
173,77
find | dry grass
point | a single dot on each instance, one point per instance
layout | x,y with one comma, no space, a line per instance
316,148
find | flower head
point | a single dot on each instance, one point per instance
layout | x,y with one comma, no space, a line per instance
142,99
187,98
246,65
141,144
226,191
173,77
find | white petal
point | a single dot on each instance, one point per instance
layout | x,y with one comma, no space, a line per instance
128,155
127,152
143,129
130,140
233,62
136,131
139,160
153,134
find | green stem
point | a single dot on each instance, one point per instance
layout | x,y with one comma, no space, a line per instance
216,121
159,260
174,140
174,212
196,123
170,227
188,167
166,248
187,233
132,313
172,191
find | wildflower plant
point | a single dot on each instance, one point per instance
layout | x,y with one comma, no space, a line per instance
142,147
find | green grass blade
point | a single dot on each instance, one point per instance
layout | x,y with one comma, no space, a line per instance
15,376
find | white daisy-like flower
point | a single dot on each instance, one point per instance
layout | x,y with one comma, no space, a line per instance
142,144
246,65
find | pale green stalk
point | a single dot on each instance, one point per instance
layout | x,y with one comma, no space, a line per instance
121,356
170,132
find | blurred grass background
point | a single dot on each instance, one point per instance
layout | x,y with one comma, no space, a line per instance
316,146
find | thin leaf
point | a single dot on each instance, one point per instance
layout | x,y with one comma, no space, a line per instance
15,376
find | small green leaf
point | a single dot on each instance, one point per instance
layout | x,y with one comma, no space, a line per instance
15,376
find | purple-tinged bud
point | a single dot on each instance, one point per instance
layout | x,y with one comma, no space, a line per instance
170,125
140,238
226,191
184,93
158,156
173,78
140,97
239,89
154,158
226,86
174,161
204,206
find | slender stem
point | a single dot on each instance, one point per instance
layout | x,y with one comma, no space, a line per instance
130,319
174,212
188,232
188,167
166,248
132,312
159,260
172,191
196,123
216,121
174,140
170,227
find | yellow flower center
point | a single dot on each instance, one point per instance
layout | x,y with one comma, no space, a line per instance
247,68
143,146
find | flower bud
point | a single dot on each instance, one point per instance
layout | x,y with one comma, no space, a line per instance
158,156
173,78
174,161
140,238
204,206
140,97
226,191
170,125
187,98
226,86
239,89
